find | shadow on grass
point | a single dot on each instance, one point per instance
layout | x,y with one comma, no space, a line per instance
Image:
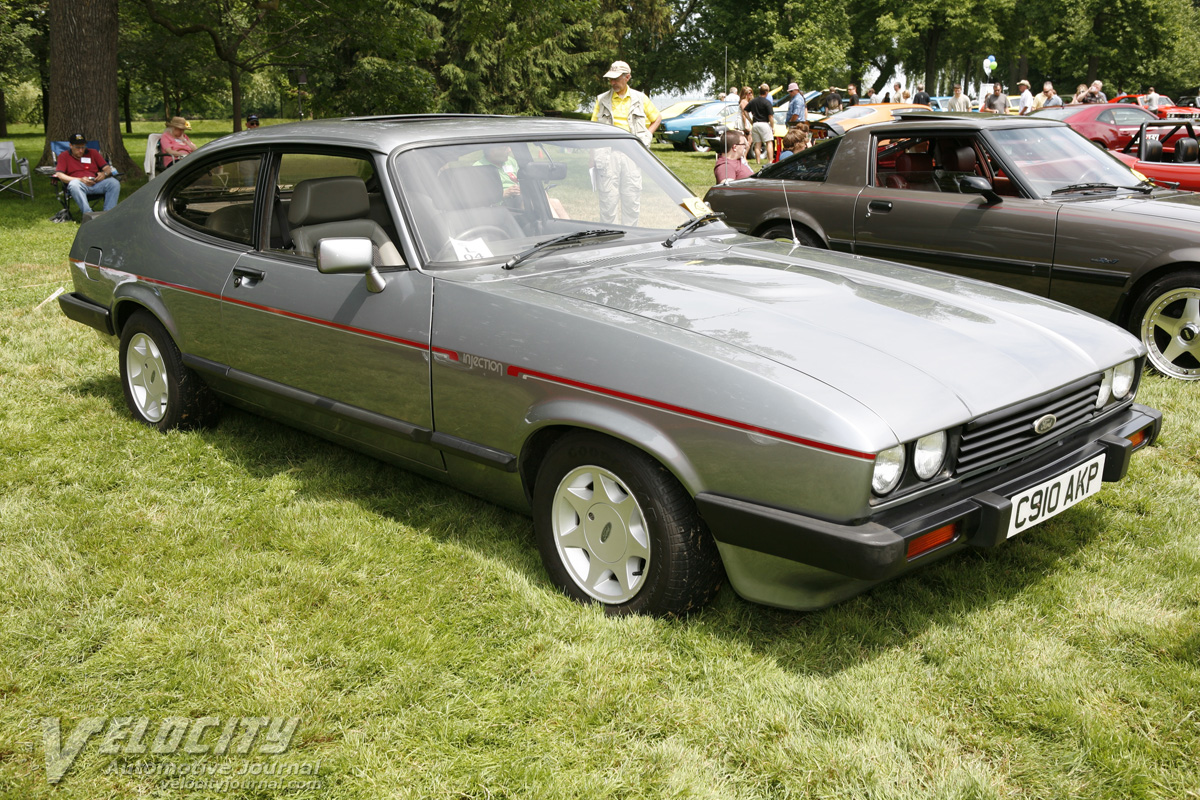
822,642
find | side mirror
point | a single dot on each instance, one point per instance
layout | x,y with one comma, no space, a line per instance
973,184
350,255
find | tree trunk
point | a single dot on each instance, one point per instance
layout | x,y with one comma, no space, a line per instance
83,78
125,91
235,84
932,41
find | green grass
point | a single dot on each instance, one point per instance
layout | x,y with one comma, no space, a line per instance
253,570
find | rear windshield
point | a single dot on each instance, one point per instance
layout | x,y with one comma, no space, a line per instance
811,164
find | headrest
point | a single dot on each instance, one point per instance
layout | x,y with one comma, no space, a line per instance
960,159
1186,149
1154,150
914,162
471,187
321,200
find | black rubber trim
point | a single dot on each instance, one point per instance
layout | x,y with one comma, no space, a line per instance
465,448
1101,277
89,312
869,551
936,259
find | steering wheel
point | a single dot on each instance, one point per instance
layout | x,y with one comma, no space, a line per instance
480,230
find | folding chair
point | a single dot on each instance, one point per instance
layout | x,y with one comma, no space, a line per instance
11,177
60,188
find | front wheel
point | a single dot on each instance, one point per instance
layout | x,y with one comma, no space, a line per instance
784,232
615,527
1167,319
159,390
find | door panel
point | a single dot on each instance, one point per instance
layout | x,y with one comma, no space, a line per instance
328,337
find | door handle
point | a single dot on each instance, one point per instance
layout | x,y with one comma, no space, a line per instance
879,206
245,276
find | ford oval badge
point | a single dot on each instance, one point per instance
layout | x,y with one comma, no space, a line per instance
604,534
1044,424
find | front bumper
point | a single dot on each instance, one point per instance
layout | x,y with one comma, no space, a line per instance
787,559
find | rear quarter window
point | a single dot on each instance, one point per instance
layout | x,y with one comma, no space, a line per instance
807,165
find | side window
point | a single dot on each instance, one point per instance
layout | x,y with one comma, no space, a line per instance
219,200
324,195
811,164
1130,116
1106,116
925,163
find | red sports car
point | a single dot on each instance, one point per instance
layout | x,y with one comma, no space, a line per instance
1166,106
1178,165
1110,125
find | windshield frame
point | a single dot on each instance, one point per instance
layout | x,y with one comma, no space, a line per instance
405,189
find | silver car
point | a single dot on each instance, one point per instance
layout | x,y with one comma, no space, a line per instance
538,312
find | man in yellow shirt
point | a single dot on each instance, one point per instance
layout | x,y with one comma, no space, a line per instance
618,180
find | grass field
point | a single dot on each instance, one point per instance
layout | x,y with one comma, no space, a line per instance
254,571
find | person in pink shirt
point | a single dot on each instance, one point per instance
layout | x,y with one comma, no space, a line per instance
174,143
730,166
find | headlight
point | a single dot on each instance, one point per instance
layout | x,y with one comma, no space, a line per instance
1105,389
929,455
889,468
1122,379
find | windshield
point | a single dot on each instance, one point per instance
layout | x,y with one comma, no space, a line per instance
472,202
1051,158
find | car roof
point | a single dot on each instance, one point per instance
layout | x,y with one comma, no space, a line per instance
967,120
385,133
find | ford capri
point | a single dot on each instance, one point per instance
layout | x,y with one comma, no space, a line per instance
538,312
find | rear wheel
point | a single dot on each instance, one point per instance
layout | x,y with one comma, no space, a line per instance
784,232
1167,319
159,390
698,145
615,527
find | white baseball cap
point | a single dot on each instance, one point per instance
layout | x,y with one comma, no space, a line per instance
617,69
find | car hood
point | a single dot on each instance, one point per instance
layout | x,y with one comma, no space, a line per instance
906,342
1181,206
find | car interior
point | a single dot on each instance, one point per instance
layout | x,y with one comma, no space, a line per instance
935,163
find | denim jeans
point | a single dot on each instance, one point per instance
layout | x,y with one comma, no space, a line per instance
109,187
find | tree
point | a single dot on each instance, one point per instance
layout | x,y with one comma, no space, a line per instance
83,78
15,56
246,35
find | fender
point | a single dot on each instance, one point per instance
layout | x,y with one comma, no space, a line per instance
582,413
780,214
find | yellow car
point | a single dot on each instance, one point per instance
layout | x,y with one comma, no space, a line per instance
861,114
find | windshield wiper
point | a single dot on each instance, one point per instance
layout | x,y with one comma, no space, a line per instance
691,225
567,239
1079,187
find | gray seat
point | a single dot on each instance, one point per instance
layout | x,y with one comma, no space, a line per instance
473,197
234,221
326,208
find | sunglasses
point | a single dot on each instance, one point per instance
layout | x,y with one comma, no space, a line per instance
253,124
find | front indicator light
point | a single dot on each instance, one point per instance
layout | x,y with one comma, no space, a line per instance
929,455
1138,439
889,468
932,540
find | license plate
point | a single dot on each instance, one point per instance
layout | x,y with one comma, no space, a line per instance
1055,495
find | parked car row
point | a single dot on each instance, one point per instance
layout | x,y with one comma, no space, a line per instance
674,402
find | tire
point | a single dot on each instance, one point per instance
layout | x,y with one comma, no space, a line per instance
784,231
697,145
637,545
159,390
1166,318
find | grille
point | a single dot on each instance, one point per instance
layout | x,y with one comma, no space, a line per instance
1009,432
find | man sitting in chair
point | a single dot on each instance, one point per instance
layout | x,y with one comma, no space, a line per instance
85,173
